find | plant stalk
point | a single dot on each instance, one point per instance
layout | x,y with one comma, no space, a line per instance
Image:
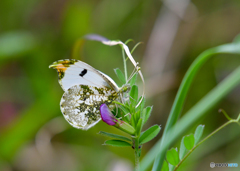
214,132
137,153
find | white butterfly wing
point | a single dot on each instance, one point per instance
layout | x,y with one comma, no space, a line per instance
80,104
74,72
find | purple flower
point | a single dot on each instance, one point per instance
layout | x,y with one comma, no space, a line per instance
110,119
107,115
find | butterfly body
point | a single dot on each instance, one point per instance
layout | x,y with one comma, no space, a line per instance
85,90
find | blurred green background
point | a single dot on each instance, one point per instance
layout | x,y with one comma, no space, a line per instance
34,34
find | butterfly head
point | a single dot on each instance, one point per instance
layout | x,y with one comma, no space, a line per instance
125,88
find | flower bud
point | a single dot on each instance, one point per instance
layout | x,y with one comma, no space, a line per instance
110,119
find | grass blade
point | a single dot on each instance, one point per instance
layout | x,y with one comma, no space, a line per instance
233,48
213,97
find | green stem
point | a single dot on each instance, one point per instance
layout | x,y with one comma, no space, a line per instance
124,64
214,132
136,161
137,153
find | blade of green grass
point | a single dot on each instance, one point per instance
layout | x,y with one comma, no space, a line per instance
184,87
222,89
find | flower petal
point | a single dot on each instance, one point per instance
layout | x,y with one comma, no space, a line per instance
107,115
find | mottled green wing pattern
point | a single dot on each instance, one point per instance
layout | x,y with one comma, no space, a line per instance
80,104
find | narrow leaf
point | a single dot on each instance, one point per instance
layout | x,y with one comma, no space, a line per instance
172,157
146,113
125,113
114,136
142,103
189,141
149,134
129,40
117,143
141,106
198,133
124,109
133,80
134,95
120,75
135,46
165,166
183,150
137,116
139,126
132,121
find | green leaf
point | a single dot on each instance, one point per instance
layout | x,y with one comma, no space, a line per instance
141,106
117,143
149,134
125,113
183,151
120,75
132,121
165,166
172,157
198,133
114,136
137,116
189,141
133,79
133,95
146,113
139,126
123,107
142,103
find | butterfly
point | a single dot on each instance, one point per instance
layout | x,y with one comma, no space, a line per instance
85,90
